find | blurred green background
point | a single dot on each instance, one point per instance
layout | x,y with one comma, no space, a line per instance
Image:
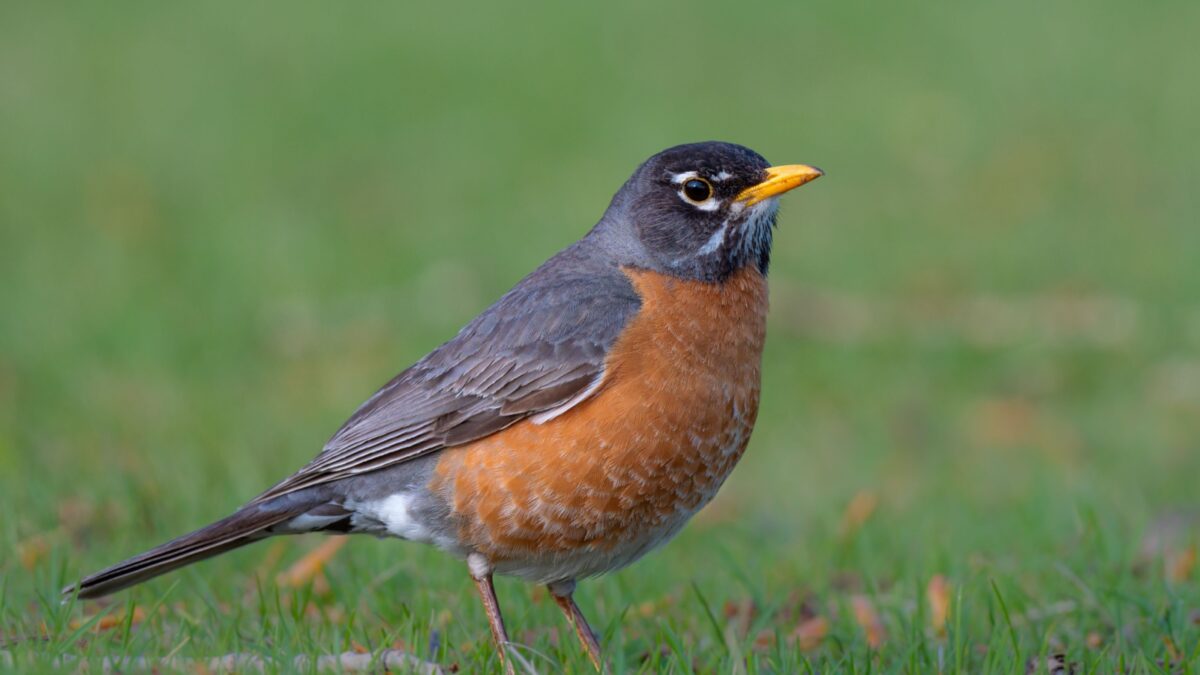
223,225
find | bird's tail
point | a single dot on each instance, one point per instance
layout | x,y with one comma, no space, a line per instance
247,525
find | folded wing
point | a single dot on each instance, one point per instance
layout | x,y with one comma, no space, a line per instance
538,348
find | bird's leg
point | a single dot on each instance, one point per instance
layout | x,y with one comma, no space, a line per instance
481,573
563,593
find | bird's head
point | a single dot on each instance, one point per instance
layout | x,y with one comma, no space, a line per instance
703,210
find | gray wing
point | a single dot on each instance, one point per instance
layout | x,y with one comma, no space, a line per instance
541,344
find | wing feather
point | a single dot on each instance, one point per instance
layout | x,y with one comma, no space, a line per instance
540,346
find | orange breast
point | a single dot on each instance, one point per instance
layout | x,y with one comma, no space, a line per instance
671,418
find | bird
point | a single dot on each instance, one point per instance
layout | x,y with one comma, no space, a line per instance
574,425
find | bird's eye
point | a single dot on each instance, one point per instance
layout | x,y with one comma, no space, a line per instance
697,190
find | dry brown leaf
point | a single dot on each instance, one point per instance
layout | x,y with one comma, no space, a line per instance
810,633
1179,564
1016,421
938,594
1003,421
797,607
656,606
110,621
32,550
868,619
308,568
76,514
1172,650
860,508
740,614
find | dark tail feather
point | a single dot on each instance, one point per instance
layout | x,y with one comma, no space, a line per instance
245,526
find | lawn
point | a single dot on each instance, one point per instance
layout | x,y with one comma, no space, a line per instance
222,226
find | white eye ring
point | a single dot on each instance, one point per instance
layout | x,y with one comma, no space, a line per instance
702,193
710,204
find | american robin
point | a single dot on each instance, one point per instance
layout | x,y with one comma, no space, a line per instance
574,425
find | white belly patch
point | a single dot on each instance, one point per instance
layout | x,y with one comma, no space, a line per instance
393,515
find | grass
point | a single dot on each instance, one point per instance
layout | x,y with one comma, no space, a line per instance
222,226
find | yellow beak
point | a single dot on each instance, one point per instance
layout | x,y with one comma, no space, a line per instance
779,180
